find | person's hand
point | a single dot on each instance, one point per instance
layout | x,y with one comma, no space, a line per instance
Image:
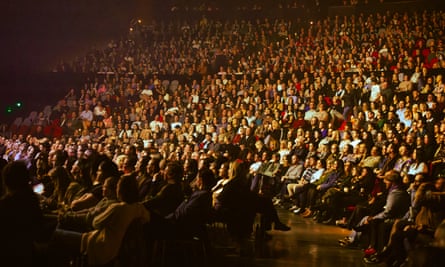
408,227
369,219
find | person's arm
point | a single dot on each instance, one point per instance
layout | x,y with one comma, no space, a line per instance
294,173
88,200
103,218
393,206
195,209
329,182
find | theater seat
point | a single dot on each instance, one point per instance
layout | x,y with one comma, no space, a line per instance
133,250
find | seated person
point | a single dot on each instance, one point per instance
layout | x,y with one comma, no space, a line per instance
22,218
349,190
106,168
102,244
170,195
291,176
237,205
432,255
264,180
417,231
191,215
82,220
61,179
396,206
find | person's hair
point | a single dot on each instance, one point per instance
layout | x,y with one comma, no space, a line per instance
61,157
156,164
420,155
175,171
108,168
127,189
16,176
85,173
143,165
207,178
323,163
61,179
340,165
112,184
130,163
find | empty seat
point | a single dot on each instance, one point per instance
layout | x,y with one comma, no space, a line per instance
15,125
173,86
166,84
25,127
47,111
33,116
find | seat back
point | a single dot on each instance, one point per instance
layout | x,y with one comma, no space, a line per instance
47,110
133,250
173,86
33,116
16,125
165,84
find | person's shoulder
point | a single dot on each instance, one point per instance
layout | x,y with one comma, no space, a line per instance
117,205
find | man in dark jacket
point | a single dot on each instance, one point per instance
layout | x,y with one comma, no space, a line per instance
170,195
191,215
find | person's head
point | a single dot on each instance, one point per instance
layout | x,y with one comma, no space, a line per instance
348,149
205,179
141,165
153,166
375,151
109,188
439,184
127,189
235,170
391,148
174,172
366,171
321,164
338,165
106,169
60,178
392,178
403,150
275,157
129,164
58,158
223,171
16,176
418,180
294,159
418,155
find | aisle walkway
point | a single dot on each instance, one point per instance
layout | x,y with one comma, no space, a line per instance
307,244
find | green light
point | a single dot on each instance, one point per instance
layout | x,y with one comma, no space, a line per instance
18,104
8,109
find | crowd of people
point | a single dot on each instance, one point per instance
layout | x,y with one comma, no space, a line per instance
339,119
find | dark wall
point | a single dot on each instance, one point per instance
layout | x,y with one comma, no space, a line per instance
40,33
35,35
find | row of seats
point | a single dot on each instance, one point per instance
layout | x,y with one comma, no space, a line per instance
24,125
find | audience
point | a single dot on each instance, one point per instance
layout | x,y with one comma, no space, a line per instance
353,98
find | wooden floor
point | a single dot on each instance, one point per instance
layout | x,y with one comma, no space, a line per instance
307,244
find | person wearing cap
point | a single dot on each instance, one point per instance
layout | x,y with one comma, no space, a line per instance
417,227
396,206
